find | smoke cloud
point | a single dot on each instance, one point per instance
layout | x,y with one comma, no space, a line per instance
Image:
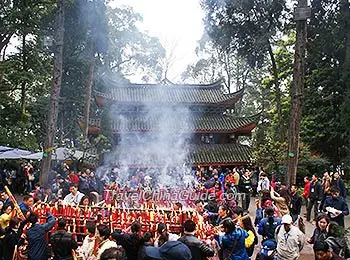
155,140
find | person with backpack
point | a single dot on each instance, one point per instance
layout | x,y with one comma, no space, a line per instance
337,241
252,238
232,243
62,242
290,240
267,226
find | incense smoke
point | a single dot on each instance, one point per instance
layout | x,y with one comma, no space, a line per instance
161,151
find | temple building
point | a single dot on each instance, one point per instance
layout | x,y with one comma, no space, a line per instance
204,114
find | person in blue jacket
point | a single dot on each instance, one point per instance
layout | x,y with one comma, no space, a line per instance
336,207
36,237
232,242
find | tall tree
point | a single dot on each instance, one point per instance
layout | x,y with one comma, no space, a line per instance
326,113
249,27
55,93
133,53
297,89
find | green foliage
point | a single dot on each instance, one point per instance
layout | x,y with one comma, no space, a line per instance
271,151
94,149
317,165
92,31
25,73
247,26
326,112
131,51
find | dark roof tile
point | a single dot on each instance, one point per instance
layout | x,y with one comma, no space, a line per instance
187,94
213,154
207,123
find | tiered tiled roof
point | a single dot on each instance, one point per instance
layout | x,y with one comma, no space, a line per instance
209,94
217,154
196,124
221,154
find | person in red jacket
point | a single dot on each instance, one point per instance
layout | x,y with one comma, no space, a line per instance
216,191
306,191
73,178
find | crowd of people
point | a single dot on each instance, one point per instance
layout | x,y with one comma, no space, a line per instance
275,229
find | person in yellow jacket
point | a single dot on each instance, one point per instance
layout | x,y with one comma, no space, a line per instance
6,217
252,238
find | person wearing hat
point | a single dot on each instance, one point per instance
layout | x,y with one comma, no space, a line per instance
171,250
268,250
290,240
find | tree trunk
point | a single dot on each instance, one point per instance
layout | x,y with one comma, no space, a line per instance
55,93
297,96
88,97
345,12
24,69
277,94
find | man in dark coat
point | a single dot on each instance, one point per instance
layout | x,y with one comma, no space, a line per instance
62,242
336,207
6,199
11,239
130,242
36,237
315,197
296,203
339,183
199,250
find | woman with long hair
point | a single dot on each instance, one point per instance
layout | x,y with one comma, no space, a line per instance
252,238
320,232
282,200
223,213
164,236
232,243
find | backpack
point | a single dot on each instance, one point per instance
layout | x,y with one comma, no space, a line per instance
269,230
345,251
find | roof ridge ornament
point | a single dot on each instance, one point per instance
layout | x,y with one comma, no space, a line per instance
166,82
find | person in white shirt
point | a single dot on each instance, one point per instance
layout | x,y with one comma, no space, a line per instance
290,240
102,236
86,250
264,182
74,197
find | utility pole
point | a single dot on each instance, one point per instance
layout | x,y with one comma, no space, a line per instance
55,93
301,13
